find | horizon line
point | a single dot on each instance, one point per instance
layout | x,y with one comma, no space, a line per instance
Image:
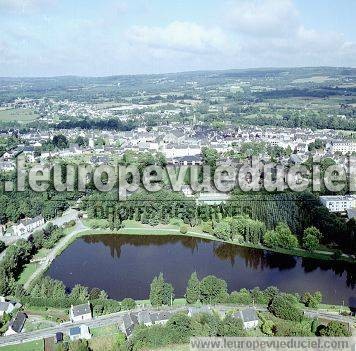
175,72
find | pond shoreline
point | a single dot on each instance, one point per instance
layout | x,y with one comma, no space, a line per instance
144,230
126,261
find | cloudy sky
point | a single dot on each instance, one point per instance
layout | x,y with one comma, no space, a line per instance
92,37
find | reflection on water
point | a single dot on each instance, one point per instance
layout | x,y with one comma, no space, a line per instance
124,266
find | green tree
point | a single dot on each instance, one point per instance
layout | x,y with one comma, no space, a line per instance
335,329
79,293
282,236
311,238
79,345
60,141
213,290
222,230
183,229
267,327
179,328
161,293
285,306
312,300
128,304
193,290
230,326
310,243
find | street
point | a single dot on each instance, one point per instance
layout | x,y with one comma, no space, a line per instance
114,318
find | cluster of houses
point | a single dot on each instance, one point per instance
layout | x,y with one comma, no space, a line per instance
17,322
126,323
177,141
23,228
129,320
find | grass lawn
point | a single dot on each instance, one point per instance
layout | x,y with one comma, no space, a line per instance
102,331
53,314
38,325
29,269
106,338
41,253
28,346
19,114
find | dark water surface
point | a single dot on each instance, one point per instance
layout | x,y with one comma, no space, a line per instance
124,266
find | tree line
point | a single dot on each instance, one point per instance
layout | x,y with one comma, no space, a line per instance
245,217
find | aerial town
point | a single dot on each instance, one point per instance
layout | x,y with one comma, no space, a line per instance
177,175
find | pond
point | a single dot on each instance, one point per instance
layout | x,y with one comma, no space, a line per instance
124,266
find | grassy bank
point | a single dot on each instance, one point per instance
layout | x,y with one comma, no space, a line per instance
137,228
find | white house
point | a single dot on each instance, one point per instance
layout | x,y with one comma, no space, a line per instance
338,203
81,332
80,313
7,306
27,225
249,318
161,317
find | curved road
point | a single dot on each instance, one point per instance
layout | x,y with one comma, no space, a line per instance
79,227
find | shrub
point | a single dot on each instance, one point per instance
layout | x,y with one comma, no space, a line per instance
285,306
128,304
207,227
183,229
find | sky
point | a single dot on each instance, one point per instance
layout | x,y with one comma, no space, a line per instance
111,37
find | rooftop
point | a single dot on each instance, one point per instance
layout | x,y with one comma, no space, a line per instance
249,315
18,322
81,310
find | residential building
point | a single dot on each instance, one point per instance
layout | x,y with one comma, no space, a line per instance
338,203
212,198
198,310
79,333
249,318
80,313
344,147
27,225
161,317
7,306
127,323
16,324
144,318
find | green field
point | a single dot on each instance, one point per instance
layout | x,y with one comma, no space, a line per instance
18,114
28,346
106,338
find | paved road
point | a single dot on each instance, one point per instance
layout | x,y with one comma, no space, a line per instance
79,227
64,328
332,316
67,216
115,317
